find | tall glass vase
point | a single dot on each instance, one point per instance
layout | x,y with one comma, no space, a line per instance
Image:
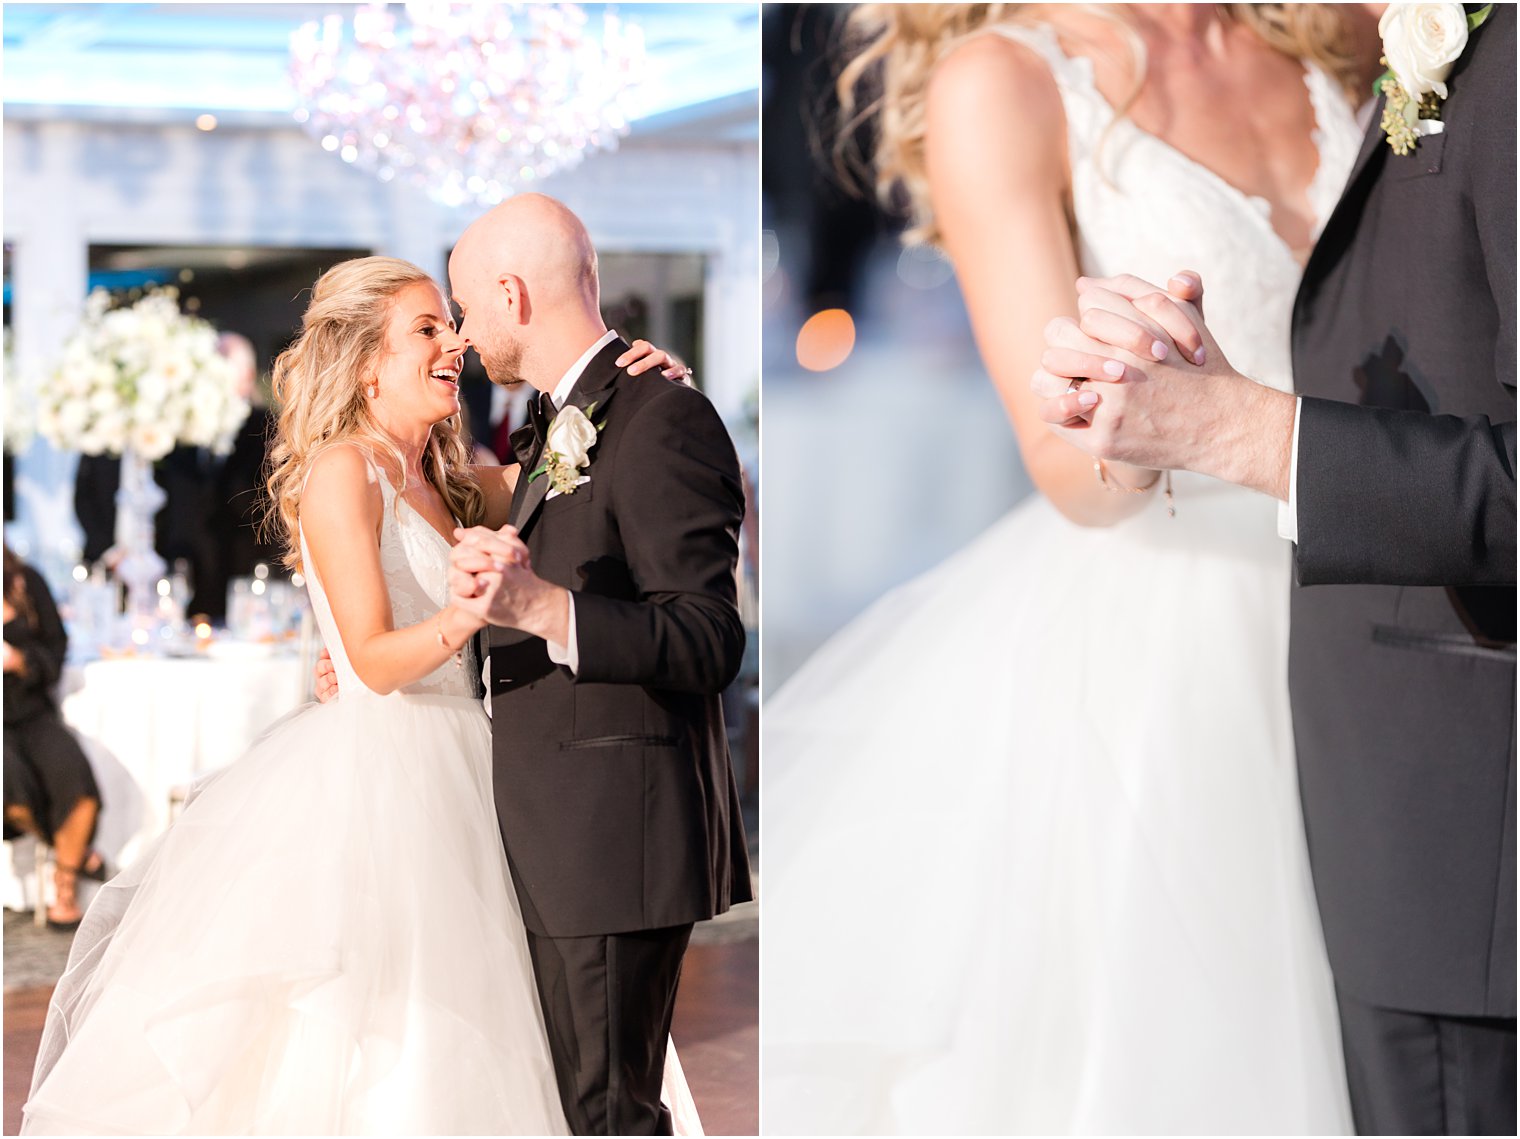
138,499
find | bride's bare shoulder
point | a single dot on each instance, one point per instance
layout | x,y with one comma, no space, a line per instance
342,477
992,75
992,97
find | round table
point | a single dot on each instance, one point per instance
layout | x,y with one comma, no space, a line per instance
150,726
167,720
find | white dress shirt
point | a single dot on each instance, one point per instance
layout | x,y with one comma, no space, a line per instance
1287,512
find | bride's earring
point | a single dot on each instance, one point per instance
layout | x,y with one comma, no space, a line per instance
373,390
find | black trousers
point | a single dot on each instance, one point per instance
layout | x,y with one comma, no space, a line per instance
607,1004
1418,1074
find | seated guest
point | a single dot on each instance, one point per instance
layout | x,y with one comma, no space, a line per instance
49,788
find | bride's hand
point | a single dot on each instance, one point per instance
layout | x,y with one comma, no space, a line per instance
1145,320
479,553
1127,329
642,356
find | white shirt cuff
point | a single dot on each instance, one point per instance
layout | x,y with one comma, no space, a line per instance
569,654
1287,512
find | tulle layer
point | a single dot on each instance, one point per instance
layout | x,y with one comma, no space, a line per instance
325,942
1036,861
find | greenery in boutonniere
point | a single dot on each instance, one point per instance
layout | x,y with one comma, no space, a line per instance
567,449
1421,42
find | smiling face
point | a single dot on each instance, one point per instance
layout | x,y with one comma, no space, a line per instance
417,374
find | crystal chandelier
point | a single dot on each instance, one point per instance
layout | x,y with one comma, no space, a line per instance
472,101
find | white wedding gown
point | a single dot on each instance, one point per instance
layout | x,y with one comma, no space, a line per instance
327,940
1035,857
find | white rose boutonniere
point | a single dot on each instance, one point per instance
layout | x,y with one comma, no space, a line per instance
1421,42
567,449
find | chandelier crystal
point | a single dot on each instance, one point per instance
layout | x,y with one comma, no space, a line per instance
471,101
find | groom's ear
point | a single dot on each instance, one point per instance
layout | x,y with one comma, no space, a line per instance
515,294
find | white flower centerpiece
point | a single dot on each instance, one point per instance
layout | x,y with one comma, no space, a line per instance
136,381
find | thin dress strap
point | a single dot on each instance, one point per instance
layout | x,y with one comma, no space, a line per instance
1088,113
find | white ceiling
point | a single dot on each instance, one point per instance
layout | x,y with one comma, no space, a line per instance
147,62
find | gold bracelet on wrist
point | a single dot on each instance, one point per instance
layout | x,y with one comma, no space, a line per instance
458,654
1100,469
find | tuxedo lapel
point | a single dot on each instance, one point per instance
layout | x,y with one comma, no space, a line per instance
1372,143
1341,223
529,493
1352,197
593,390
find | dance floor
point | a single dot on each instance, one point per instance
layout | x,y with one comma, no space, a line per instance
715,1032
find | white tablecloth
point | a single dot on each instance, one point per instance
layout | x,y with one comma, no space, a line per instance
150,725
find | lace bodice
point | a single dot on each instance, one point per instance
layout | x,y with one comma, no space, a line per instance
1144,207
414,558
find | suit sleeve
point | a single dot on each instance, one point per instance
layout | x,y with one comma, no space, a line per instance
1404,498
679,504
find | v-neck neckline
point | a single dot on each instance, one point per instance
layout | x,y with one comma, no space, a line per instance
1253,204
446,539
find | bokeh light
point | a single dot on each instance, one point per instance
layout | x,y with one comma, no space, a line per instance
826,340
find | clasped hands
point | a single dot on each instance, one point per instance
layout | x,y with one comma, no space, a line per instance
491,578
1138,378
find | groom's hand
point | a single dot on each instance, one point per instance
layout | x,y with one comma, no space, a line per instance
491,578
1172,403
479,551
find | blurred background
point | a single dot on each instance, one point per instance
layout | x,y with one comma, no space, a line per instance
230,153
870,372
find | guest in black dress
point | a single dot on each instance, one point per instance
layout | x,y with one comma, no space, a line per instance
49,788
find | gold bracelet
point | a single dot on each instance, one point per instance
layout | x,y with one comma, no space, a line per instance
1101,470
458,654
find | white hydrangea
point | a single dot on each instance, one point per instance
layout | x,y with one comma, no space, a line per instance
145,375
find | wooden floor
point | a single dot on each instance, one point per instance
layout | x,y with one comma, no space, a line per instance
715,1031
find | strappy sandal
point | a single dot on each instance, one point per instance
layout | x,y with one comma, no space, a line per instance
64,880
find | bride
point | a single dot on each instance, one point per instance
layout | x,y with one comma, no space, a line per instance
327,940
1036,856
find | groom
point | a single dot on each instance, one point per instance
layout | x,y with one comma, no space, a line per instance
1397,471
608,653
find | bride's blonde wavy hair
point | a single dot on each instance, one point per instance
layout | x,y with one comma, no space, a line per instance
319,386
892,50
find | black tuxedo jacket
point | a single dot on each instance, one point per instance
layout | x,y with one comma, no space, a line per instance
1402,658
614,788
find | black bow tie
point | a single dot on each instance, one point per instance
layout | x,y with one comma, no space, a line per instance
527,440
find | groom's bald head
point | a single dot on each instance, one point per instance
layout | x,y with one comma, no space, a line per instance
535,238
525,276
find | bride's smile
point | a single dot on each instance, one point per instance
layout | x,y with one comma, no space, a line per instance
417,378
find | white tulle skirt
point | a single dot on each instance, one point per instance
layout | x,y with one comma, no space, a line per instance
1035,860
327,941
